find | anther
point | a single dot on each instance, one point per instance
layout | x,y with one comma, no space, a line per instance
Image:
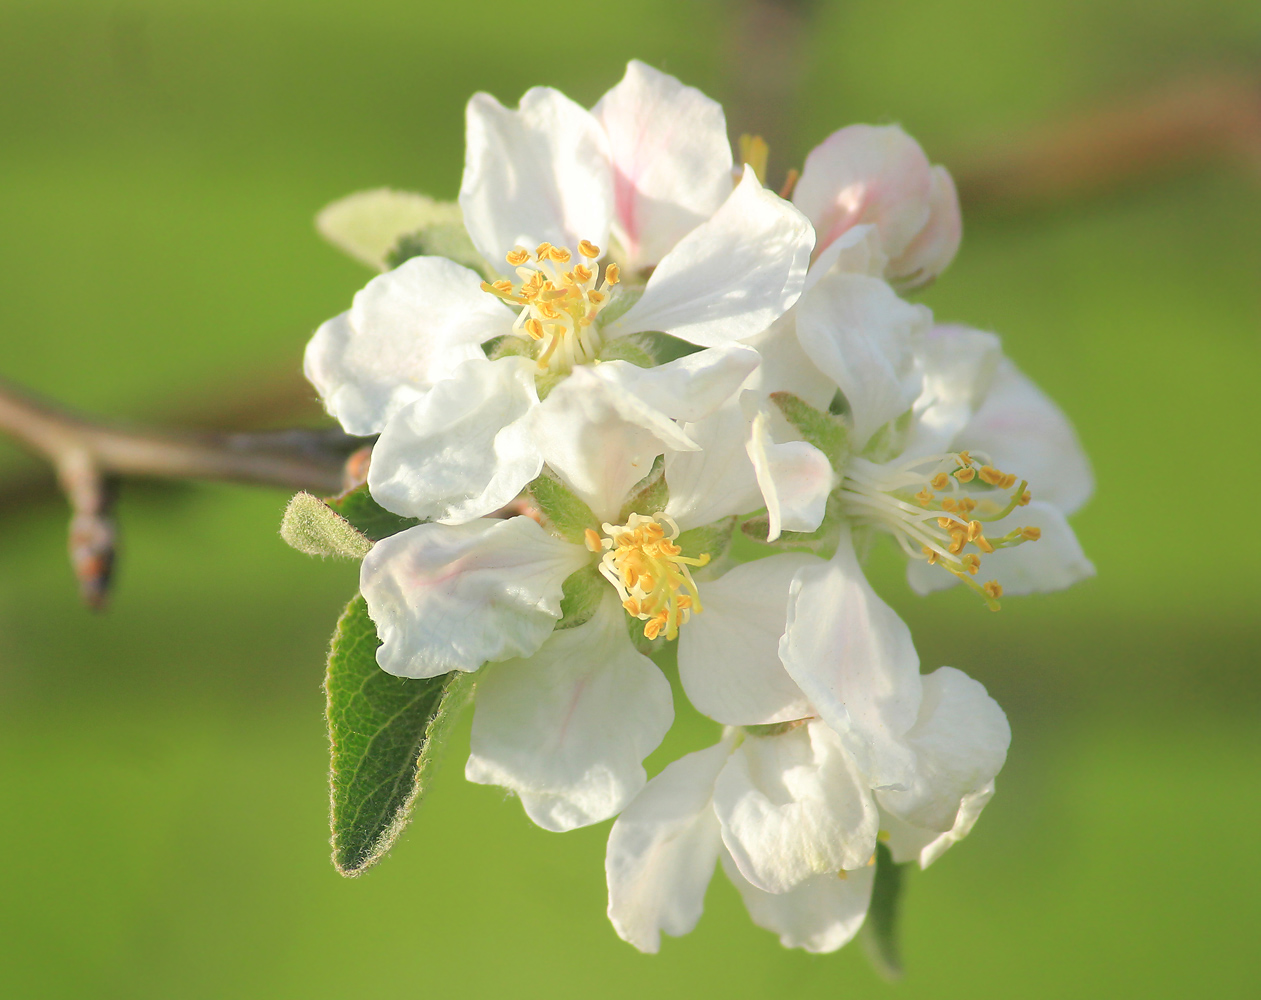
993,476
965,474
588,249
993,589
940,481
542,250
592,538
560,254
925,497
612,274
1025,497
518,256
1031,534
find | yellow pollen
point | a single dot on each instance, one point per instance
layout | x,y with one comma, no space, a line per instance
581,274
588,249
592,539
612,274
983,543
560,254
1032,534
1025,497
518,256
925,497
940,482
930,554
991,475
965,459
650,572
948,504
965,474
994,589
971,562
975,528
534,328
541,251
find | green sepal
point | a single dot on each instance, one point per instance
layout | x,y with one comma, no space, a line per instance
821,540
581,594
385,735
562,509
311,526
635,349
775,728
880,929
641,642
649,495
373,520
889,440
368,225
619,305
712,539
826,432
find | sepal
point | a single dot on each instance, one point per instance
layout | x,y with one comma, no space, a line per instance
880,930
562,509
649,495
311,526
368,517
826,432
581,594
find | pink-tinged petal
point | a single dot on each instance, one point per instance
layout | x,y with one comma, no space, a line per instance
873,174
960,741
464,449
732,276
539,173
853,658
671,161
452,597
794,806
935,247
794,478
858,332
407,329
820,915
1023,431
729,653
568,728
662,851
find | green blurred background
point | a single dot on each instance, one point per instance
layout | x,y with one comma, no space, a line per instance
162,766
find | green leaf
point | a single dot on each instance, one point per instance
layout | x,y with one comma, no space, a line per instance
368,516
827,433
385,734
439,239
311,526
712,538
880,930
822,540
562,509
368,225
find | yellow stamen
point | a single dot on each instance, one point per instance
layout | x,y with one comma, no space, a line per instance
940,481
965,475
925,497
1032,534
994,589
518,256
588,249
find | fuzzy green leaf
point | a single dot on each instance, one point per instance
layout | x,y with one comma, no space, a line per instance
827,433
562,509
439,239
368,225
311,526
713,539
581,594
880,930
649,495
385,734
368,516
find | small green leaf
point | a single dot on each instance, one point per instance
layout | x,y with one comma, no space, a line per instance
373,520
581,594
889,440
439,239
880,930
635,349
562,508
369,224
385,734
822,540
826,432
649,495
311,526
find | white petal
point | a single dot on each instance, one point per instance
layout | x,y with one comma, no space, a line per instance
853,657
671,160
934,248
662,851
960,742
795,479
858,332
820,915
785,366
958,365
794,806
689,388
538,173
451,597
716,481
407,329
912,843
568,728
601,430
730,277
464,449
1023,431
867,174
1055,561
729,653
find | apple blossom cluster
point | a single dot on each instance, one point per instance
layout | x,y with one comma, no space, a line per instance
637,399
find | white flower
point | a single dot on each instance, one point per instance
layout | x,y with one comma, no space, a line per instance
565,715
544,187
795,821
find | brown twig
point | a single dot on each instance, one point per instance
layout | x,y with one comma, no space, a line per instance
90,456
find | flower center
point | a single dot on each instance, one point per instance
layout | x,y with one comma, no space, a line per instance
559,302
954,501
649,571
